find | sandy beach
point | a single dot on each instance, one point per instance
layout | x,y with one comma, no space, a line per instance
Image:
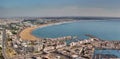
25,34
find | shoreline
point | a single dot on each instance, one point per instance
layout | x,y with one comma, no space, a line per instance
26,34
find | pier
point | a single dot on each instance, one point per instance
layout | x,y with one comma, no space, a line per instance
91,36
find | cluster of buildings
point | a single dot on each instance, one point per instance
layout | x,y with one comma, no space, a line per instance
49,48
14,43
104,44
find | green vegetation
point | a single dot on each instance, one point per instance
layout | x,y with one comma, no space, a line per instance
9,39
36,51
1,57
13,32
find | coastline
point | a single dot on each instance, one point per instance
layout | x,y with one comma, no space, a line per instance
26,34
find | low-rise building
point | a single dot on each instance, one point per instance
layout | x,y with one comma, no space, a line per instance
61,44
47,48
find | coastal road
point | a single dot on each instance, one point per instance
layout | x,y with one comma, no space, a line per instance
4,43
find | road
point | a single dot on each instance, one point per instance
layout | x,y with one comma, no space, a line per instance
4,43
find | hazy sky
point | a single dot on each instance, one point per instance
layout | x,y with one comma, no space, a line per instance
42,8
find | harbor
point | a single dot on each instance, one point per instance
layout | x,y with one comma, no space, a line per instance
23,44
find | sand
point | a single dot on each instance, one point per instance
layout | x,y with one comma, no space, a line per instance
26,34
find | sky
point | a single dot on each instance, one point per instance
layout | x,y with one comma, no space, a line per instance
52,8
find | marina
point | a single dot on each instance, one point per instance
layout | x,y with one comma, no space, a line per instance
65,39
59,29
99,54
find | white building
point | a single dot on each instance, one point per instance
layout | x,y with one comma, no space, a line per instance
61,45
38,47
49,48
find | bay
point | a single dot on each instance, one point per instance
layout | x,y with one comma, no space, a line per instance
104,29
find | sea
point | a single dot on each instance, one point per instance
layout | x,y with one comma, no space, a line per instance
103,29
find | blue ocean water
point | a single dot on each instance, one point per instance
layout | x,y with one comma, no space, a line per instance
113,52
104,29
